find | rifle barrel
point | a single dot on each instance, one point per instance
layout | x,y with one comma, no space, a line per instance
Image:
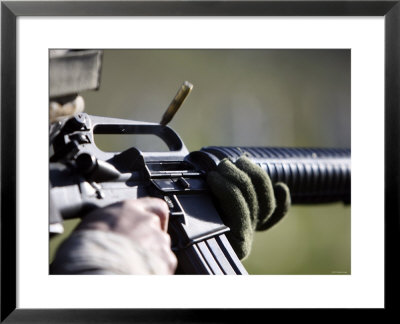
313,175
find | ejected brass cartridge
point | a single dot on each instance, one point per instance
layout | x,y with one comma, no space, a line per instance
179,98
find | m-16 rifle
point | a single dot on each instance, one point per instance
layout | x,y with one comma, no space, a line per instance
83,178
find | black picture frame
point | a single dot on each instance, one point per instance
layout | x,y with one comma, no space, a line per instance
10,10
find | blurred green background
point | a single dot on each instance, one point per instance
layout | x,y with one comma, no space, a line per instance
245,97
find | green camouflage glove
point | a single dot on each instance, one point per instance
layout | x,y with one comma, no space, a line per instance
248,201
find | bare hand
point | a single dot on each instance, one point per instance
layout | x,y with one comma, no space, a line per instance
144,221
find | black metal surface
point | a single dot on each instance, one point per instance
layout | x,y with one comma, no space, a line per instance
213,256
204,8
392,149
313,175
8,155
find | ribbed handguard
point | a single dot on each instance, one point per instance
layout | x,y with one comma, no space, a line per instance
313,175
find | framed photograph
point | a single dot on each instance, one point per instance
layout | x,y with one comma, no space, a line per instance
265,74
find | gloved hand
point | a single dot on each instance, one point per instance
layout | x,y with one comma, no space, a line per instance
248,201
